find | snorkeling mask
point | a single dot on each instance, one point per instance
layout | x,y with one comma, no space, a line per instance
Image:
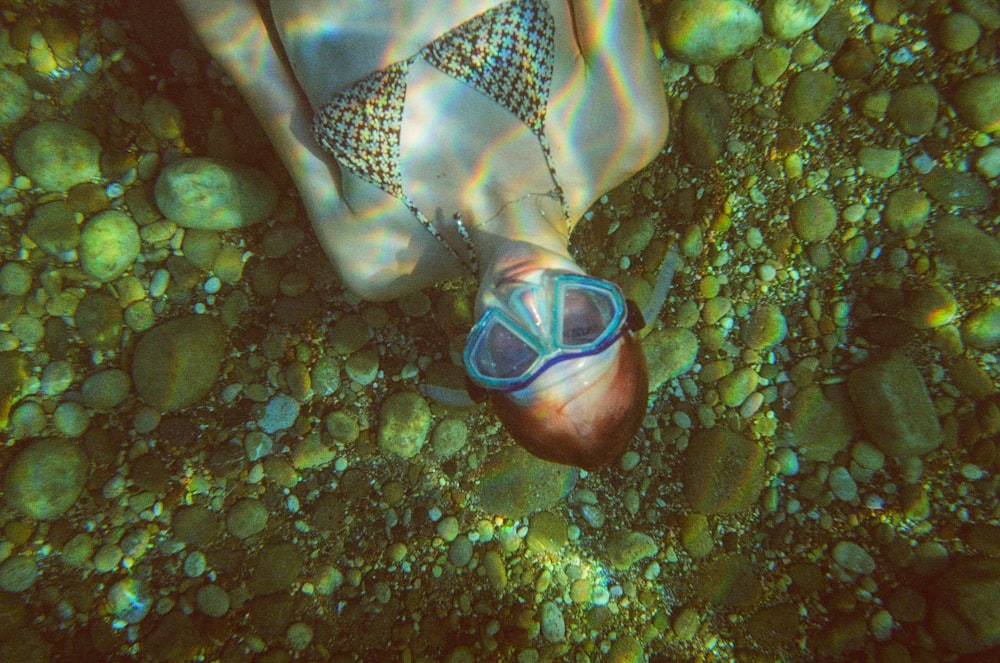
533,325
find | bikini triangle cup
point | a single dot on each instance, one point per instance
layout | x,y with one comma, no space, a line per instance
505,53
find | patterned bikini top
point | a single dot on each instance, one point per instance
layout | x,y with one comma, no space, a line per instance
505,53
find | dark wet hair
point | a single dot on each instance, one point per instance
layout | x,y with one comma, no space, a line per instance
599,440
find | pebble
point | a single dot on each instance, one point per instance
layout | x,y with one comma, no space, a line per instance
176,363
15,97
15,279
952,188
349,335
977,102
45,479
460,552
57,376
70,419
981,329
737,386
342,427
770,63
686,623
787,19
625,548
929,306
855,60
914,109
988,164
552,622
958,32
894,406
109,244
162,117
404,421
853,558
965,615
669,352
105,390
212,600
723,472
906,211
362,366
879,162
814,218
246,518
276,567
18,574
547,533
214,195
279,414
704,125
299,636
57,155
764,328
515,484
325,376
962,244
820,427
449,437
54,228
708,31
130,600
634,235
842,484
809,96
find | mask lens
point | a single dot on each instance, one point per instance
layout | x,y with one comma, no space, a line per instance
586,315
503,354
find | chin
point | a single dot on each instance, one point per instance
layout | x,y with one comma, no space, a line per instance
587,427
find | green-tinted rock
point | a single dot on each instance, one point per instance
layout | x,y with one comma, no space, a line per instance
813,218
765,327
982,328
546,533
894,406
99,320
45,478
708,31
704,125
176,363
977,102
965,613
669,353
906,211
214,195
723,472
57,155
53,227
404,420
962,244
627,548
109,244
914,109
515,484
15,97
952,188
105,389
276,567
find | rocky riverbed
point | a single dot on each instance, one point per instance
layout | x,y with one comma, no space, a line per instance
211,451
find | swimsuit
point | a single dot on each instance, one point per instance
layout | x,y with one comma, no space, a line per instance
506,53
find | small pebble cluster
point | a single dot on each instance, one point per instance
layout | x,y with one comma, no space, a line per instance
211,451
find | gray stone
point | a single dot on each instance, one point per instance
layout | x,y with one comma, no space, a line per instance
516,484
962,244
894,406
57,155
952,188
965,613
914,109
15,97
669,353
45,478
814,218
977,102
819,426
109,244
279,414
709,31
177,362
105,389
787,19
404,420
853,558
54,228
723,472
552,622
808,96
214,195
704,125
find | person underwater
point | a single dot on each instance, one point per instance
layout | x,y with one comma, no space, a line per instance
431,140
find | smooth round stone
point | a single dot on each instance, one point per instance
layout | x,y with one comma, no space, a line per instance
342,426
988,162
349,335
962,244
299,636
70,419
276,567
109,244
552,623
879,162
855,60
6,176
214,195
842,484
201,247
130,600
105,390
766,327
958,32
625,548
929,306
176,363
853,558
362,366
279,414
906,211
15,97
813,218
449,437
56,155
246,518
163,119
57,376
669,353
634,235
27,420
53,228
977,102
704,121
212,600
769,63
914,109
708,31
15,279
965,613
953,188
45,478
809,96
460,552
723,472
982,328
18,574
787,19
404,421
516,484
